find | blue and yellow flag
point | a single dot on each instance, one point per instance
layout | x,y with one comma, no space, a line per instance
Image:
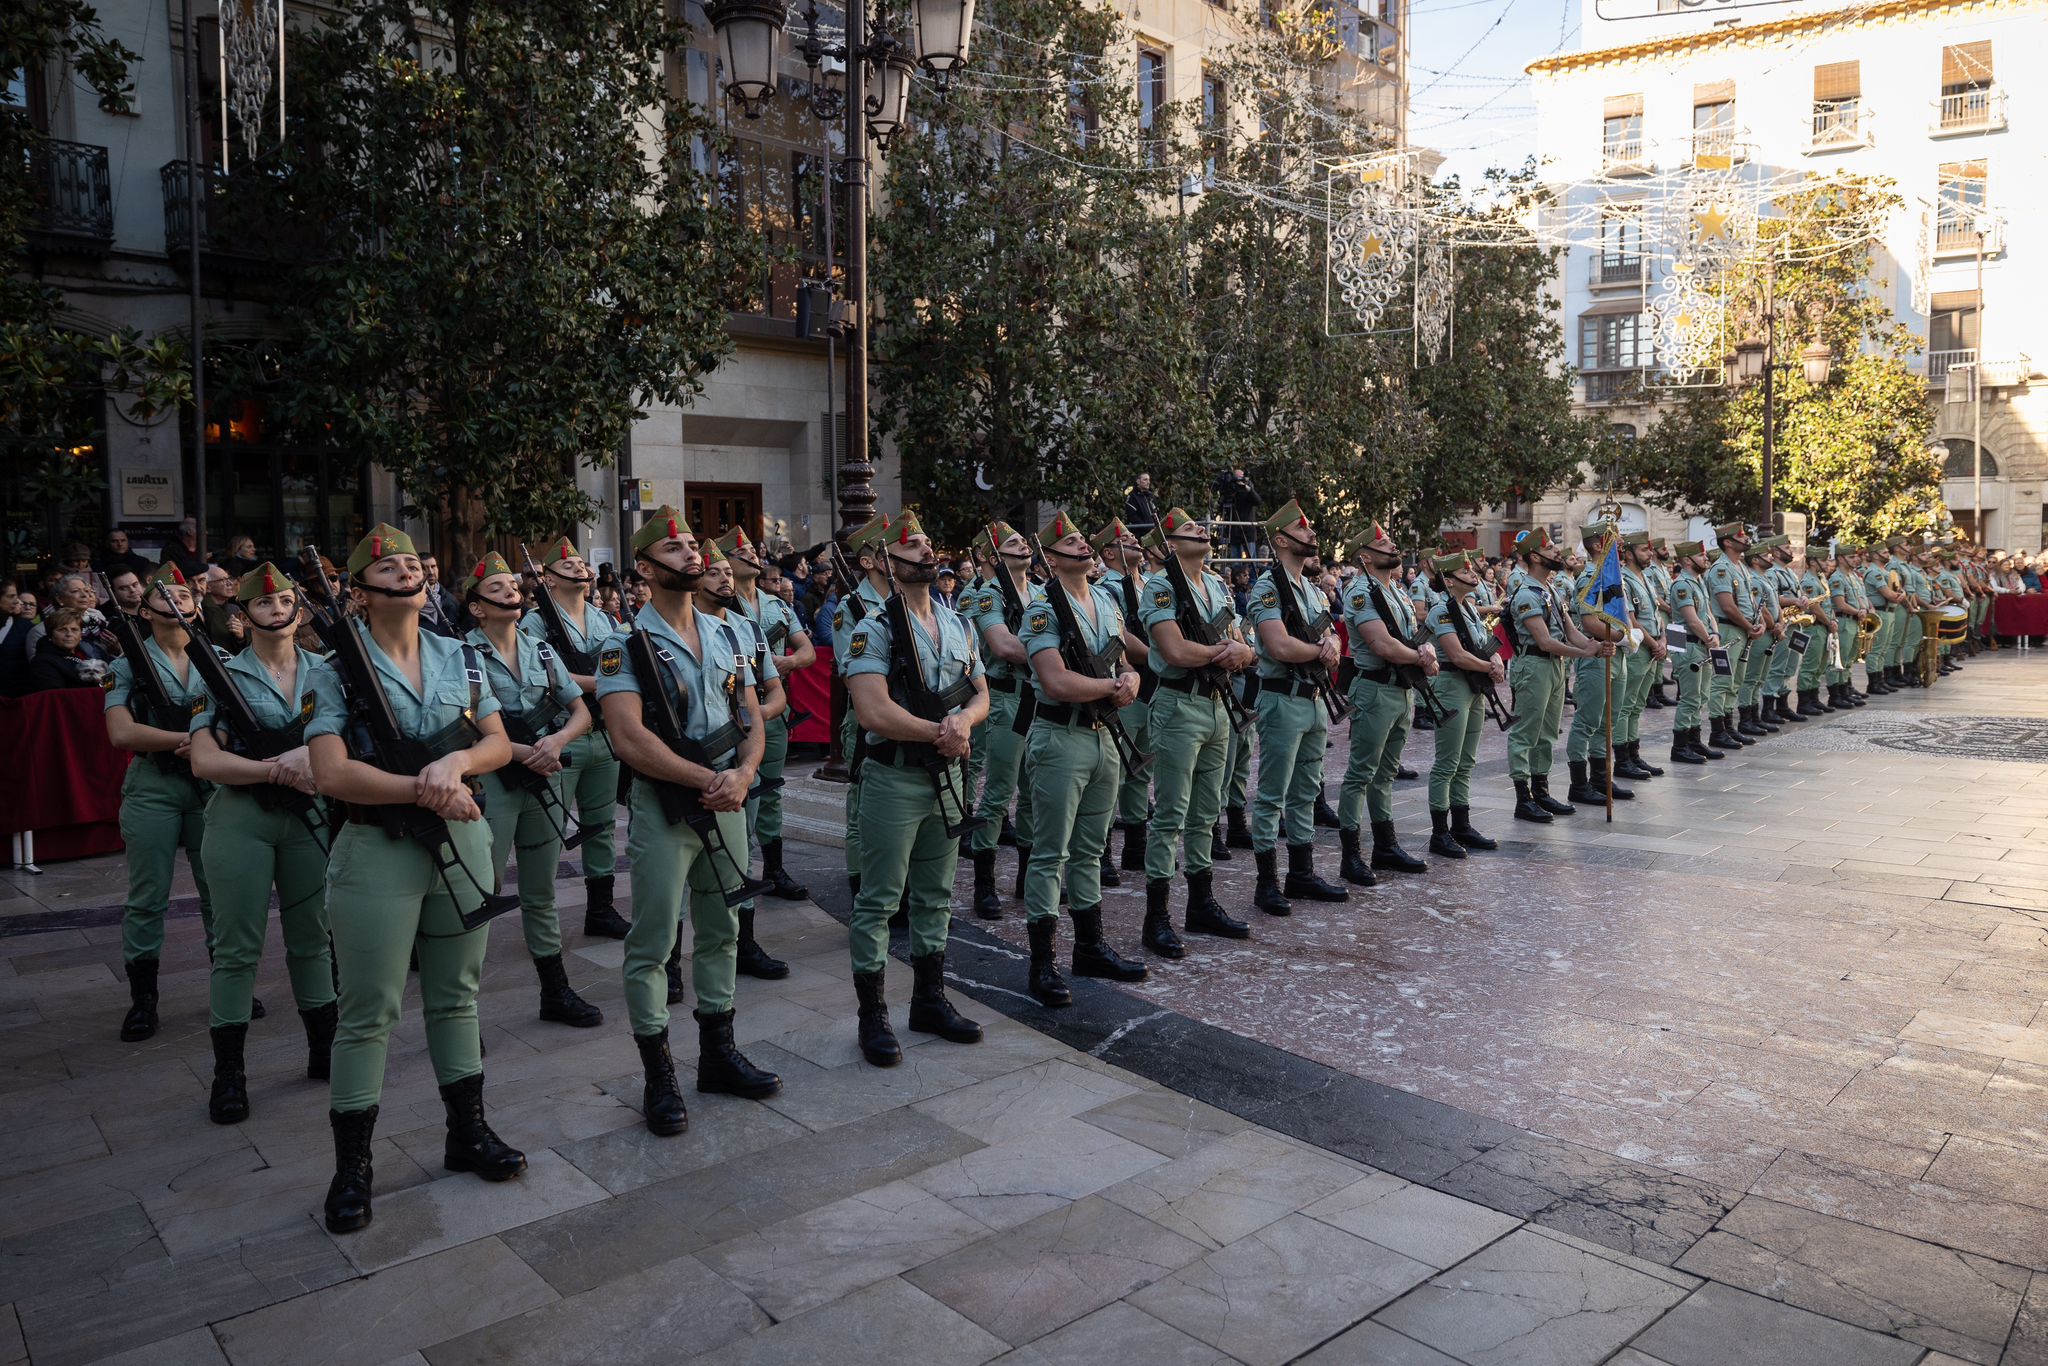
1604,593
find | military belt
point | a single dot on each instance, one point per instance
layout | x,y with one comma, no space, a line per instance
1060,714
1188,683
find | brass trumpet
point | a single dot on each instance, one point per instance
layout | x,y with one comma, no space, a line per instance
1797,618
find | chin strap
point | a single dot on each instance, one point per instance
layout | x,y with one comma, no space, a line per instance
400,593
291,625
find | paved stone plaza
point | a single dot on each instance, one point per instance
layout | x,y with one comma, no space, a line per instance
1756,1074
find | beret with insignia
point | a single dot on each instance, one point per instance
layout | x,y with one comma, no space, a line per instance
384,540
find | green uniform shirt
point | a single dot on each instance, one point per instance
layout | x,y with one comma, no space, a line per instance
1687,590
1532,600
711,680
1642,603
539,693
596,627
1726,576
986,613
444,695
1439,622
1159,603
1265,606
1041,628
1359,609
122,690
774,619
272,709
944,661
842,620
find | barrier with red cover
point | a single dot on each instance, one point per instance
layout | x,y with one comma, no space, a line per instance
810,691
64,779
2020,614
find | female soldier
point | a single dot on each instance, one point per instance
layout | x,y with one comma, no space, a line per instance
1467,649
256,839
543,713
387,895
149,707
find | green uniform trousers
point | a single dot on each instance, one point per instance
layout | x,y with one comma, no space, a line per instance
1895,636
977,759
1785,663
849,737
592,779
1723,690
670,861
1134,795
1293,736
1756,666
905,850
255,849
764,813
1457,740
1538,681
520,818
160,813
1694,673
1846,637
384,900
1913,632
1075,775
1380,716
1595,684
1192,736
1814,662
1000,774
1632,696
1237,761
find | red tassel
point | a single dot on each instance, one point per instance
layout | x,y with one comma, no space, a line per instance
672,532
376,547
269,582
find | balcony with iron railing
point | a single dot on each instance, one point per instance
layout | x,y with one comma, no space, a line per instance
239,233
1977,109
1939,363
1717,145
1958,231
71,201
1624,156
1617,272
1612,386
1838,126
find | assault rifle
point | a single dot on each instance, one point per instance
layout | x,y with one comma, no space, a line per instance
522,728
906,670
576,661
1412,676
1074,652
1313,673
680,804
156,699
1485,645
1013,617
374,736
1199,630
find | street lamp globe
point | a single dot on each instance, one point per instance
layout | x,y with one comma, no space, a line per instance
749,35
1817,361
942,29
889,105
1749,360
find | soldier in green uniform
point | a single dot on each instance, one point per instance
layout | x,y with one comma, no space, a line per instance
856,602
1009,688
1818,602
1545,638
1124,575
1692,607
590,771
1887,597
1470,663
716,601
1756,667
789,652
389,898
1597,682
255,841
1774,556
1190,727
1844,587
1237,763
710,686
909,807
1948,592
543,713
1644,659
1385,631
1293,730
1911,629
1657,574
1075,766
162,802
1733,601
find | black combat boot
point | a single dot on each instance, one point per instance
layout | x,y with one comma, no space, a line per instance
988,903
1682,751
471,1146
1095,958
140,1022
559,1003
1205,914
722,1068
600,921
1006,837
1044,982
1702,749
1158,935
1109,876
1421,721
1351,865
229,1103
661,1100
1464,834
1304,882
319,1022
781,886
1539,788
1635,754
1627,765
1582,789
674,970
348,1195
1237,834
1219,851
1387,852
1134,847
1750,722
1602,781
1792,710
1441,841
1023,866
877,1041
753,960
1810,705
1267,897
930,1011
1526,807
1326,815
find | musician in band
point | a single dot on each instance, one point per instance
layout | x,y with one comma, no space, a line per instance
387,897
708,684
544,715
590,770
789,652
1769,648
1692,607
997,615
1732,600
1817,601
255,845
1389,650
1076,764
1294,730
1470,663
913,770
1852,612
1886,590
150,694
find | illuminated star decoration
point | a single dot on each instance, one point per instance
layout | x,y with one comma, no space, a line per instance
1712,222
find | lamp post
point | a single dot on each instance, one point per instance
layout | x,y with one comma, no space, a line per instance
1756,360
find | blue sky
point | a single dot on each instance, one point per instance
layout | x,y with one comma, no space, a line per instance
1470,98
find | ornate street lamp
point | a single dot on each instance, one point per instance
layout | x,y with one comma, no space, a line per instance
889,105
1817,361
1749,360
943,29
750,34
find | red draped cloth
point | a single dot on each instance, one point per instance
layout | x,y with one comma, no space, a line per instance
810,691
2014,614
63,778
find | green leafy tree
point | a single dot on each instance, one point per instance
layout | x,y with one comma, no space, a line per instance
1852,453
511,249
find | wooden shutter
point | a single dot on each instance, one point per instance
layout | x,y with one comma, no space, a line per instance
1966,64
1953,301
1623,107
1837,81
1713,92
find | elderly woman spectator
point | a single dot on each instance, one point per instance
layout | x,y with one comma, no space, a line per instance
60,660
75,593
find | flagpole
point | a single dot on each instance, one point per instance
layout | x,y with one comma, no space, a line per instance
1607,672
